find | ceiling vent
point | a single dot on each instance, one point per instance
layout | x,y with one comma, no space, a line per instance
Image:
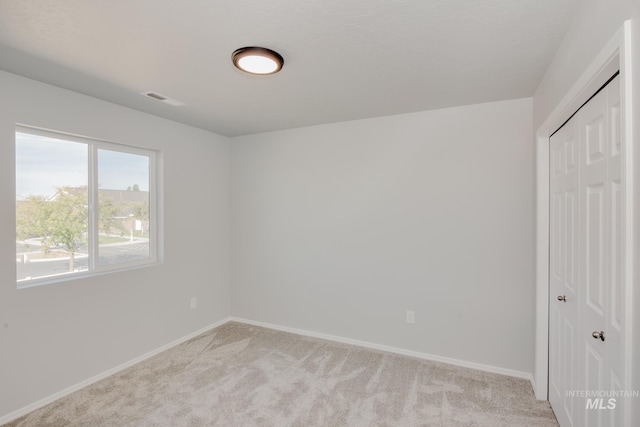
162,98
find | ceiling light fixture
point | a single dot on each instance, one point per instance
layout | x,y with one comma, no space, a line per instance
257,60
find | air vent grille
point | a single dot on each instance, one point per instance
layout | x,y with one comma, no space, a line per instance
156,96
162,98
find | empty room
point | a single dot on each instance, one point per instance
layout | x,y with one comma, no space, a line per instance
325,213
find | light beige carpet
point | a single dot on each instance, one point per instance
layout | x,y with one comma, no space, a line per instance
241,375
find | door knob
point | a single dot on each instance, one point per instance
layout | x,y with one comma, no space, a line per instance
597,335
562,298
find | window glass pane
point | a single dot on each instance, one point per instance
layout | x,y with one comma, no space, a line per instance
51,206
123,203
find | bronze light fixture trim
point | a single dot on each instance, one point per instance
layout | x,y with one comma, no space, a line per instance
257,60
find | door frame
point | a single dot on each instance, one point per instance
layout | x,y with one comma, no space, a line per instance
616,55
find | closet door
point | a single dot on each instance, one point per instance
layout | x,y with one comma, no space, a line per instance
564,294
601,211
585,347
615,240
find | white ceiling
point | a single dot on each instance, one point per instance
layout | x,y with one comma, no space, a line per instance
344,59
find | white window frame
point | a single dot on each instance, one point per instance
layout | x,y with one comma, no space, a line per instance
94,268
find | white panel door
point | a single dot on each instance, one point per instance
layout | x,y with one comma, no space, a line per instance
614,241
594,265
601,262
564,286
585,347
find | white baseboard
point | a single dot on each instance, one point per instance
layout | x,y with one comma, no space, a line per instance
39,404
425,356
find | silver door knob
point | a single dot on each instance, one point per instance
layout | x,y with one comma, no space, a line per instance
597,335
562,298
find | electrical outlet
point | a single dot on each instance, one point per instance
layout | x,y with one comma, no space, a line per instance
410,317
194,302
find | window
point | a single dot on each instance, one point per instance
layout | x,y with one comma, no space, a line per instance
82,206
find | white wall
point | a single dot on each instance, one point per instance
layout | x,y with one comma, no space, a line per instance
595,24
54,336
340,228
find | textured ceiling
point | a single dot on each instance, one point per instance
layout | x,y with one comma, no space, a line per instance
344,59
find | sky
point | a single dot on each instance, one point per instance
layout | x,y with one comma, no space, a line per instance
44,164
